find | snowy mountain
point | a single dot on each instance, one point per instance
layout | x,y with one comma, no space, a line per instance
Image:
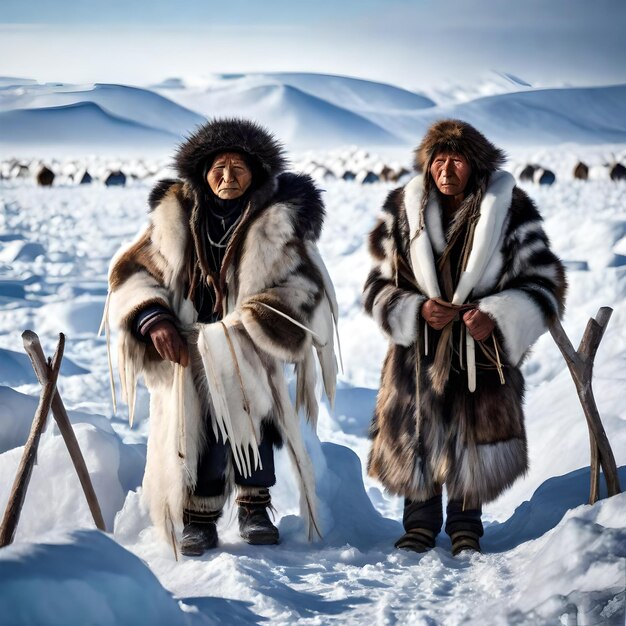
299,117
82,124
34,114
547,116
304,110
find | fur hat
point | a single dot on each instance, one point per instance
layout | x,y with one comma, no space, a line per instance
229,135
459,136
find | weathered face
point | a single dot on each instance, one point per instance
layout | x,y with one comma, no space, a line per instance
451,172
229,176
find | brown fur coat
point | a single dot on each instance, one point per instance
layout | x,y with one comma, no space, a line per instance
475,443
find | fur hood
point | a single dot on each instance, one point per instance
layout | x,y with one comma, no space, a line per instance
228,134
459,136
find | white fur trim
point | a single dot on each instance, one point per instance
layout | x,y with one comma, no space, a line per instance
487,237
422,258
519,319
434,226
484,471
493,212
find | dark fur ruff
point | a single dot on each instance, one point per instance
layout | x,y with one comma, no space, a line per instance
474,443
224,135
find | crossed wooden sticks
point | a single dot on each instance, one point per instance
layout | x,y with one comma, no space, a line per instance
580,364
47,372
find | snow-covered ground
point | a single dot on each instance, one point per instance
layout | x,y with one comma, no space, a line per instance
548,557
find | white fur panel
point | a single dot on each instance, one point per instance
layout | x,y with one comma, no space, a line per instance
321,323
490,275
265,260
329,288
519,319
403,319
170,233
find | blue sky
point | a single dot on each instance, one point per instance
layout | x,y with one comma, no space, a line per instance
411,43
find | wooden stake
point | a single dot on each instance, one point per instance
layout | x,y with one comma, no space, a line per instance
580,364
35,352
25,469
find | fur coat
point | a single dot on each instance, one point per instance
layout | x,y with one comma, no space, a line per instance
278,308
471,436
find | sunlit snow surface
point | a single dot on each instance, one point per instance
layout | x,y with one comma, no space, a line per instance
549,558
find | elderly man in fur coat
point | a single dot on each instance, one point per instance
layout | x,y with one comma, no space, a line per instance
463,284
221,290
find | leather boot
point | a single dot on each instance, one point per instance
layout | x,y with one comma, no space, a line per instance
255,526
464,526
422,522
199,533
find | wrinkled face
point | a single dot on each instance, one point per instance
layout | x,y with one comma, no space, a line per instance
229,176
451,172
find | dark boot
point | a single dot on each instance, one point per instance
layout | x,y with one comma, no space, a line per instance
464,527
422,522
255,526
199,533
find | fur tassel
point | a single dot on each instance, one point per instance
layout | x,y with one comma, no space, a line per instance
299,458
439,371
213,344
305,388
107,334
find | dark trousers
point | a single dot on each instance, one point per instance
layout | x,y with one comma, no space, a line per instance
212,467
429,515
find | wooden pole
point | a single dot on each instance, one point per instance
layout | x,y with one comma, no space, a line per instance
35,352
25,469
580,364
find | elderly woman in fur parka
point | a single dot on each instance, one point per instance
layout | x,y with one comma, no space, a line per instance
463,284
223,287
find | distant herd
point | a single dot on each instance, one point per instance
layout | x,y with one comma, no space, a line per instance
362,170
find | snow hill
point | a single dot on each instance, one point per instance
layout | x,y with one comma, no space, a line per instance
82,124
303,110
90,115
297,116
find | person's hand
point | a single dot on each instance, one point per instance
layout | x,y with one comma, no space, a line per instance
168,343
479,324
436,315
